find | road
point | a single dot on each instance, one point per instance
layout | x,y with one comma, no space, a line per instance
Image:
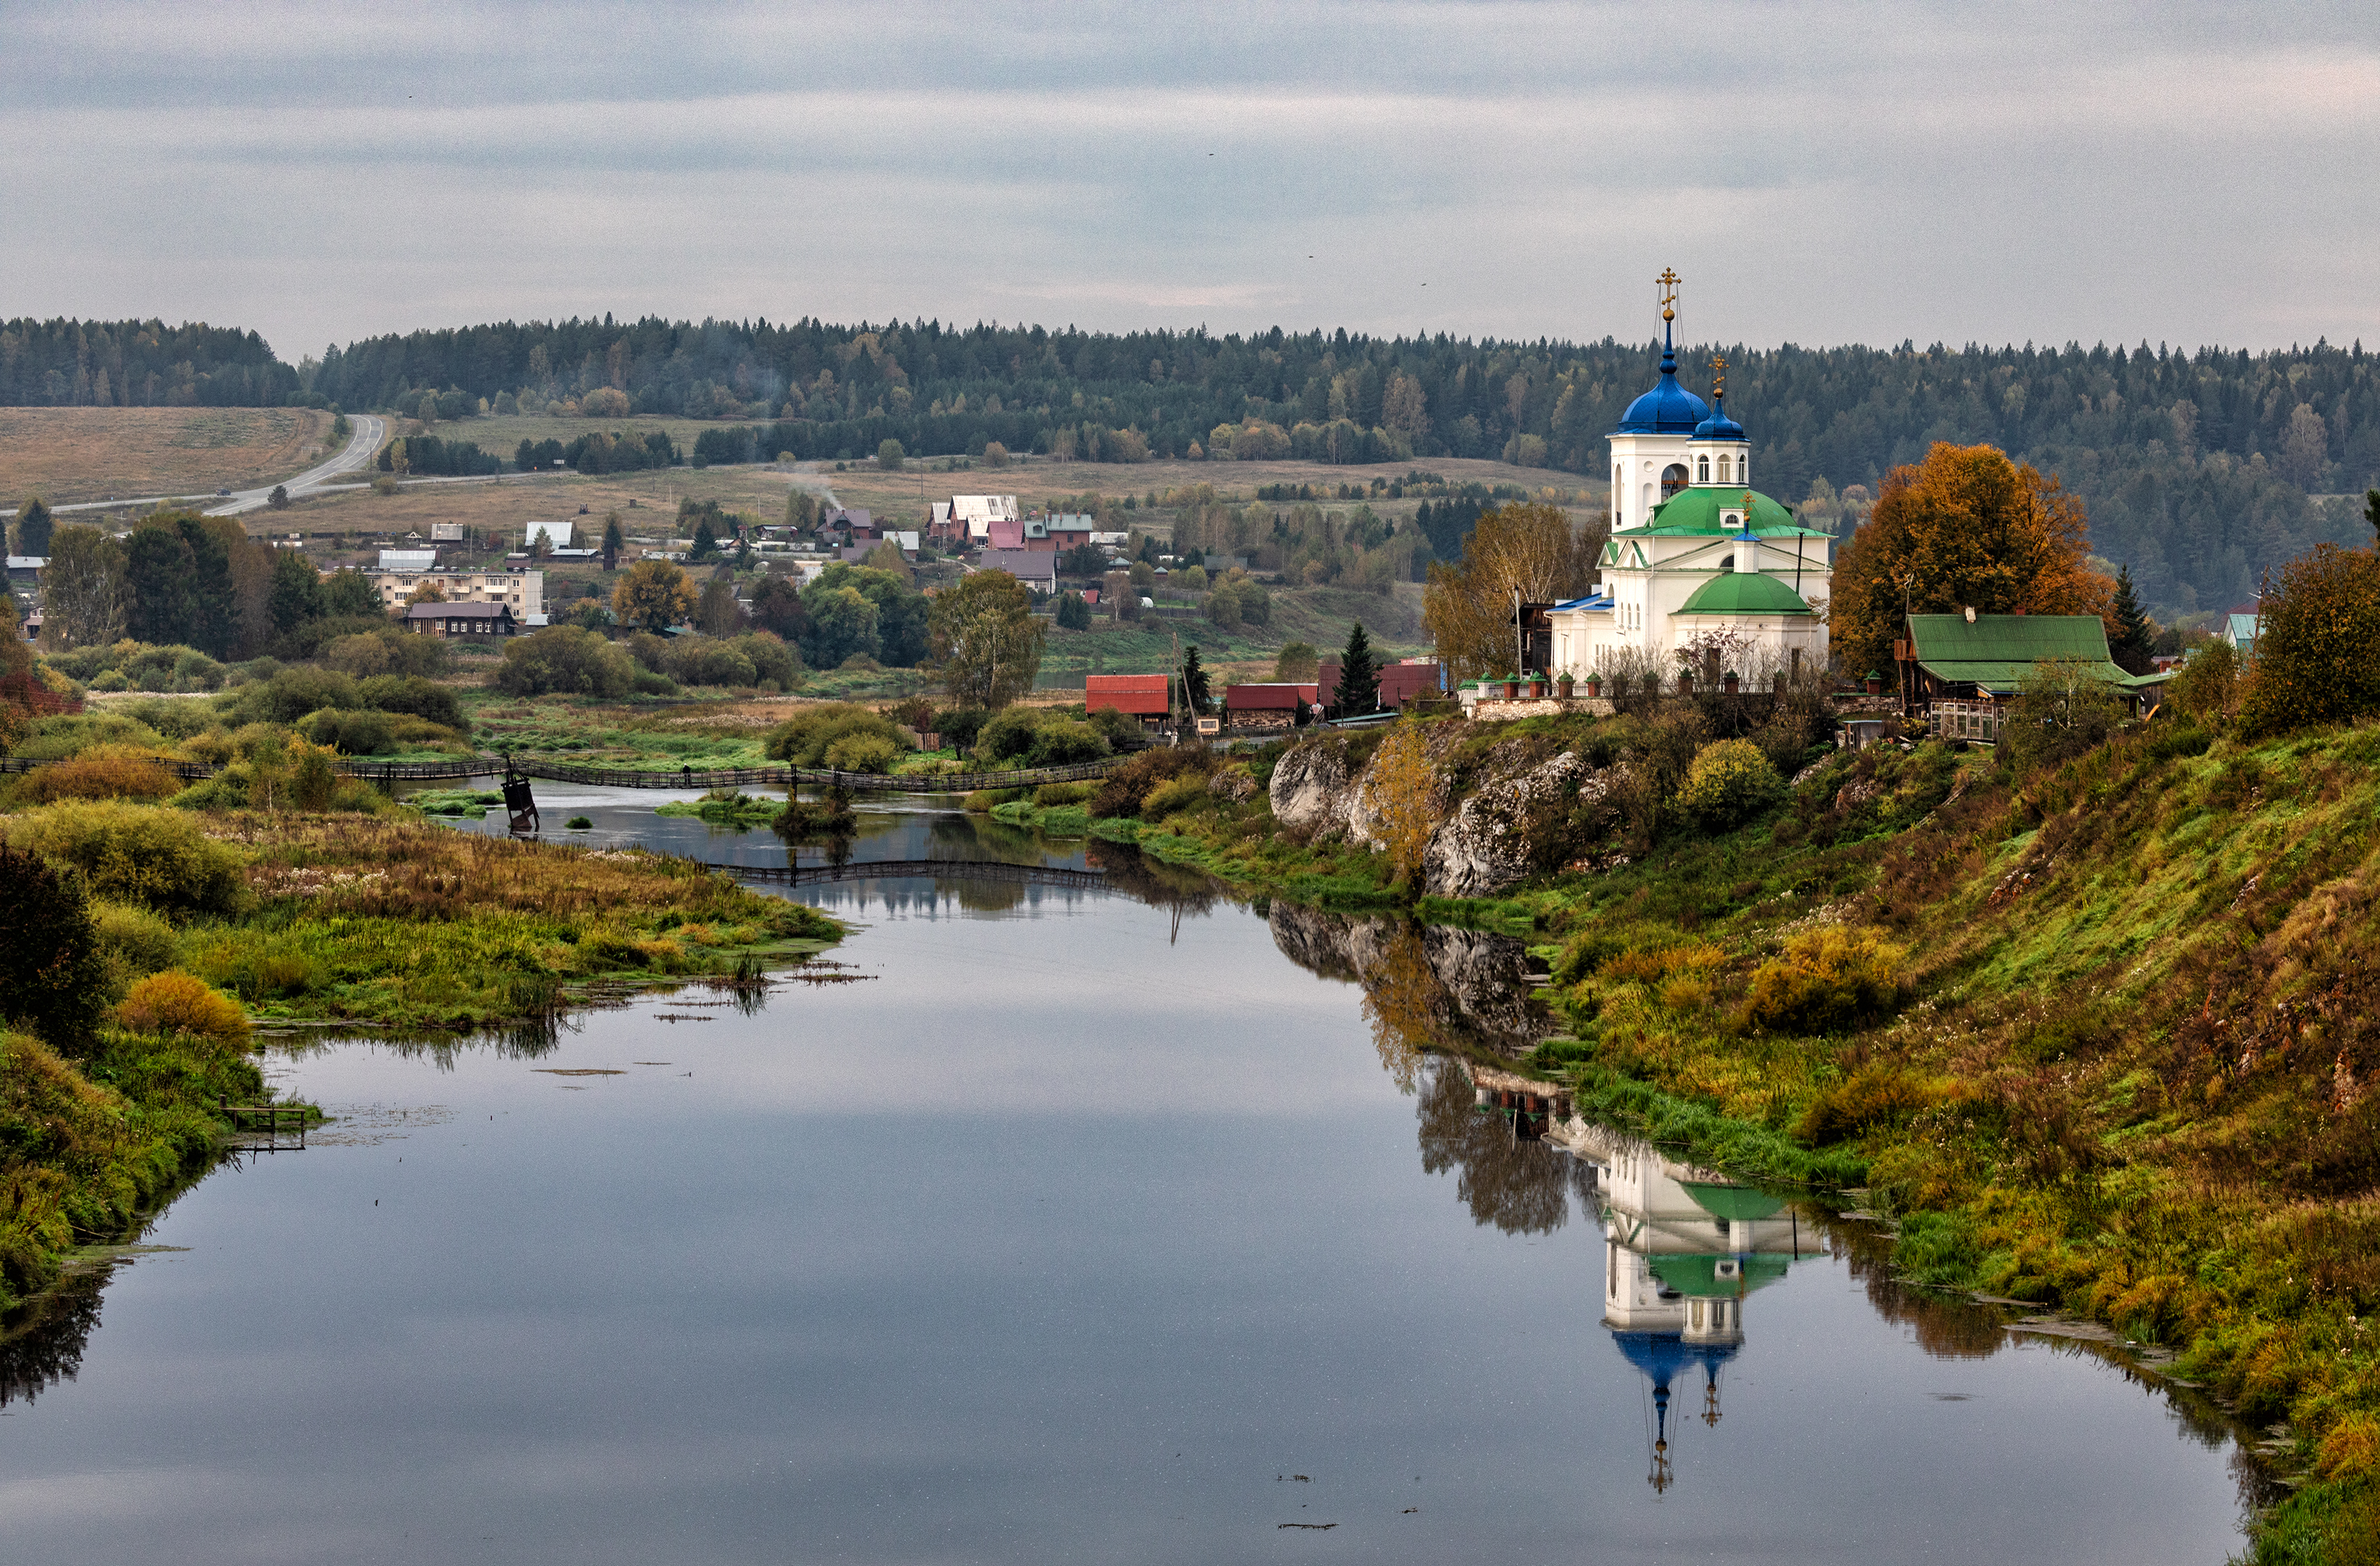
365,432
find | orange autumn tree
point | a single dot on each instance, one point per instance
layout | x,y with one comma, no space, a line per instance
1964,528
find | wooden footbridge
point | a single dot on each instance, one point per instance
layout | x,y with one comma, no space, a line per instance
462,769
918,869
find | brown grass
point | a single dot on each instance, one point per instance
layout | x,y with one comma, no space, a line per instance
66,455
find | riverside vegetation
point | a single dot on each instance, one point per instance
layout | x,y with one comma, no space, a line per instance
152,923
2087,1020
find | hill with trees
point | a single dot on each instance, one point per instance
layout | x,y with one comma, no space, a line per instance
2200,470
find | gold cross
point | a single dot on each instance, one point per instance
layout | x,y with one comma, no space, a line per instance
1669,282
1718,368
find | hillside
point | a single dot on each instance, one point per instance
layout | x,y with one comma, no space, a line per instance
69,455
2099,1036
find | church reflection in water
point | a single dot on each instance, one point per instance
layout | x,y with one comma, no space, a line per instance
1684,1249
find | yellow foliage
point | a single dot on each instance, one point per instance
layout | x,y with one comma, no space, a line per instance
1827,979
179,1002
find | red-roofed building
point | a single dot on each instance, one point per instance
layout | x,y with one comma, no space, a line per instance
1005,532
1145,697
1414,679
1267,704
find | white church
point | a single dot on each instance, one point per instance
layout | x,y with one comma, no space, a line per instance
1698,560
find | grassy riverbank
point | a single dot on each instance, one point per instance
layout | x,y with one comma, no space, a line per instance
2099,1035
108,1098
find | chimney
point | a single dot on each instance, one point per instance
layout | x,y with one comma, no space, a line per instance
1971,614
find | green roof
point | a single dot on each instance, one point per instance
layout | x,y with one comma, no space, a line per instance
1697,1276
1736,1204
1744,592
1996,652
1696,511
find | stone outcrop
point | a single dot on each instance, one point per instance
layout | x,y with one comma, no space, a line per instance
1520,810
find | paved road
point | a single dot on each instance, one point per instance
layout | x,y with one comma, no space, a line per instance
365,432
364,437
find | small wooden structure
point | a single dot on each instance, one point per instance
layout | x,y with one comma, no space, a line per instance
519,804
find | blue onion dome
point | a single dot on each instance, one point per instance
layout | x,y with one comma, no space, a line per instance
1719,426
1668,409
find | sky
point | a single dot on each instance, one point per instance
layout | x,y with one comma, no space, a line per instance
1818,174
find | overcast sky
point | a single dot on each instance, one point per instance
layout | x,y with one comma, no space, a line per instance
1818,174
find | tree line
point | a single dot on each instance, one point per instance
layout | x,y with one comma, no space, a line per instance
64,363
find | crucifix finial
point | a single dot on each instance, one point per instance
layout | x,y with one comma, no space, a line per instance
1718,371
1669,282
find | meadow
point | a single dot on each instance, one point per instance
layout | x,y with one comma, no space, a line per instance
71,455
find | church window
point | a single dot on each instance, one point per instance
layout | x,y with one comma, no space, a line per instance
1702,471
1698,1313
1722,468
1673,479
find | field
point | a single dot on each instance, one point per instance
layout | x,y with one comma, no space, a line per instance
66,454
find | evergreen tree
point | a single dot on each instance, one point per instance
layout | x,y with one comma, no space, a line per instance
297,591
1359,677
33,526
2371,511
613,541
1195,693
705,542
2134,643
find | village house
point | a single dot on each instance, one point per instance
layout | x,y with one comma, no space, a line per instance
1146,697
461,619
1036,569
1963,670
971,518
1267,704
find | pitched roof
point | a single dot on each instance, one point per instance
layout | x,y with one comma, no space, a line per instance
1025,564
435,611
1137,695
1744,592
1268,696
1997,651
1697,511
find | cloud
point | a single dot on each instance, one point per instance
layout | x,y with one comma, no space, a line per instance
1819,174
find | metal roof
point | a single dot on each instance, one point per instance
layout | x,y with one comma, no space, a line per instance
1996,652
1744,592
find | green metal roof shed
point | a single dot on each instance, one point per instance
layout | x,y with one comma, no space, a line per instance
1996,652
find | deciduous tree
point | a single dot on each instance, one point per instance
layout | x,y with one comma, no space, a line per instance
2319,624
653,595
987,643
1964,528
1528,546
83,592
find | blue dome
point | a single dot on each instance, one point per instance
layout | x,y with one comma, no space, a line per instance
1668,409
1719,426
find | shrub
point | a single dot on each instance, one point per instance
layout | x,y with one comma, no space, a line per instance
1007,736
804,738
1874,1095
1062,742
1829,979
180,1002
288,696
107,774
568,660
52,976
1730,782
646,683
349,732
960,726
863,753
1049,795
770,659
136,853
2208,685
414,695
135,941
1124,791
2312,661
705,660
1175,794
648,649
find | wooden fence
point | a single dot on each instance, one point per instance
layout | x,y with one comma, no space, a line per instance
683,778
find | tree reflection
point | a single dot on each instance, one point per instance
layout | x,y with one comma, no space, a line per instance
1521,1186
1946,1326
41,1344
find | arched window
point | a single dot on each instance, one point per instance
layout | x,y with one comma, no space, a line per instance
1673,479
1722,467
1702,471
1743,472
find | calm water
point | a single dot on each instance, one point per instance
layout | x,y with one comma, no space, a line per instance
1076,1225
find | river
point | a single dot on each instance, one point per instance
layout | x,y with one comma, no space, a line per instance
1064,1222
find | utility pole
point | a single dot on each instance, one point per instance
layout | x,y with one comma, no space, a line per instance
1172,673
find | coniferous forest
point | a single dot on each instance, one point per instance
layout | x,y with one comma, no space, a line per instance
2200,470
